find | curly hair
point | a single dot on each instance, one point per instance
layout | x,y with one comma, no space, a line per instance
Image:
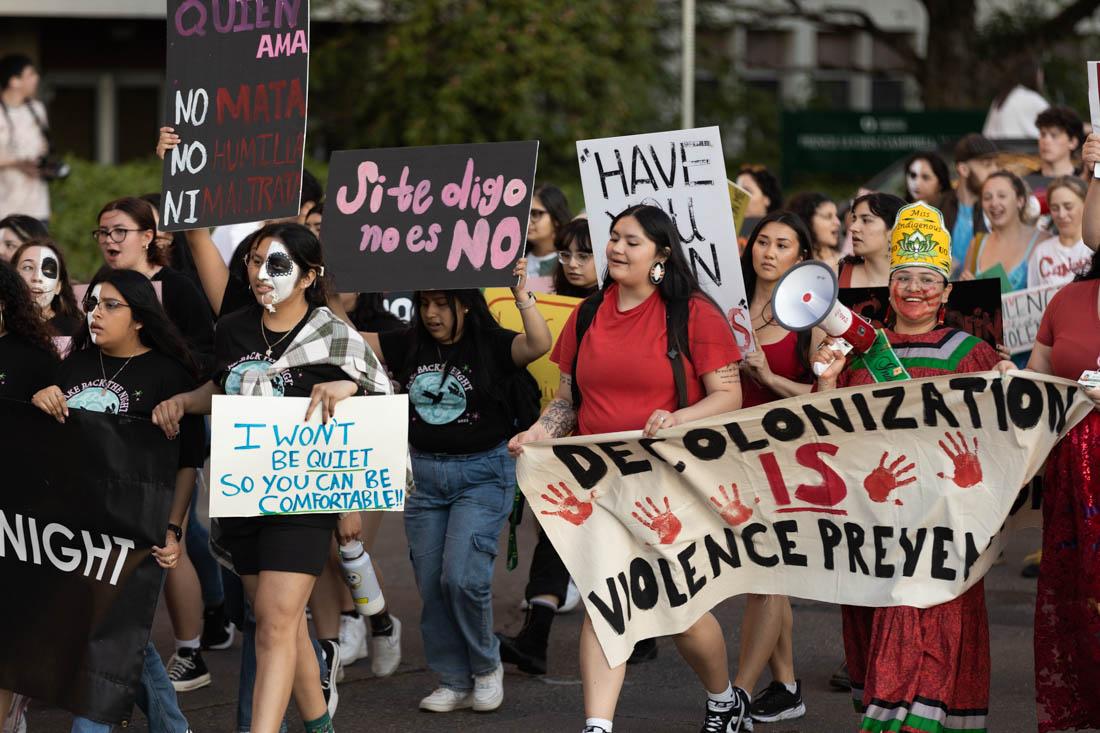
20,312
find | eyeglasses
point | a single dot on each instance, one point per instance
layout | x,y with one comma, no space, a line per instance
116,235
109,304
581,258
924,282
277,263
537,214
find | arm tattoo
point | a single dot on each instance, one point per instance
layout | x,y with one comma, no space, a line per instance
729,374
559,418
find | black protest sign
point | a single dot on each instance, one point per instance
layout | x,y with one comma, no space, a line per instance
973,306
443,217
237,79
83,504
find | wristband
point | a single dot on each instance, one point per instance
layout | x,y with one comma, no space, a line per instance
176,530
530,303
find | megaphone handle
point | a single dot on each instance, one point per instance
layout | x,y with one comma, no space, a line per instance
840,347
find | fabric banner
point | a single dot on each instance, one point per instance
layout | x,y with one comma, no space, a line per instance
1023,312
83,503
875,496
237,82
556,309
265,460
683,173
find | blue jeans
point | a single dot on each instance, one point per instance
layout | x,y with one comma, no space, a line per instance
207,568
156,698
453,521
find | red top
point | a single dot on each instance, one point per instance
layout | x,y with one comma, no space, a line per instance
1071,327
783,360
624,372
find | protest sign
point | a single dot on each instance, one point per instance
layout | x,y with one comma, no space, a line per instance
237,77
265,460
683,173
739,201
878,495
556,309
1023,312
442,217
1094,103
84,502
973,306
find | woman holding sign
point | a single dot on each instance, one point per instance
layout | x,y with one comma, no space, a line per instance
925,667
125,360
621,377
286,344
458,366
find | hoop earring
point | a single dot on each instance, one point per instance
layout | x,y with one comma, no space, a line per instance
657,273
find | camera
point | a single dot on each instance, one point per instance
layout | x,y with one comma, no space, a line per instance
52,167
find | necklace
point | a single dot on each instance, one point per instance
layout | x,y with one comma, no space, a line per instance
270,346
103,372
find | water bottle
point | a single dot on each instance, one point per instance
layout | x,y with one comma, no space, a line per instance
361,580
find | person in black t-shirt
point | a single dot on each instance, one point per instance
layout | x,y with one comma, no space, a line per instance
126,360
41,264
280,556
27,354
453,362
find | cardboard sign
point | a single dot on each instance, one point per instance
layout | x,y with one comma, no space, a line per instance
237,77
974,306
739,202
433,218
683,173
1094,102
265,460
1023,312
871,496
556,309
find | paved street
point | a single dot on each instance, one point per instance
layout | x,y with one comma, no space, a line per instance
659,696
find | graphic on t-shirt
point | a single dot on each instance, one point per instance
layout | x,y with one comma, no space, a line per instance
252,363
99,396
437,401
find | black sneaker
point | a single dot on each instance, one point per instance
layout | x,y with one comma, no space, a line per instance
331,650
644,651
776,702
187,671
718,717
840,679
217,630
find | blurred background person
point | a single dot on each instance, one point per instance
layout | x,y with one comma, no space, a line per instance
17,229
1061,134
1012,114
975,159
549,213
24,140
1058,259
575,275
926,178
818,213
767,195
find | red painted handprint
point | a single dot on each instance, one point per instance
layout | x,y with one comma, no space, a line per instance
731,510
882,481
569,507
664,523
968,469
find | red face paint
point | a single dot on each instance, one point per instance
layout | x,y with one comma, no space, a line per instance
914,304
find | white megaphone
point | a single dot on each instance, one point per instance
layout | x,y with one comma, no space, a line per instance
806,296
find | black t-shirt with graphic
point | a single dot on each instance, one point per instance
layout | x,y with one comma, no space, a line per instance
239,347
132,387
24,368
457,415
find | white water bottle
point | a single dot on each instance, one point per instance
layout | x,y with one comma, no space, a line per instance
361,580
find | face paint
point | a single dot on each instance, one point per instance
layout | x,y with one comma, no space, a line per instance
96,294
48,273
915,304
912,180
280,272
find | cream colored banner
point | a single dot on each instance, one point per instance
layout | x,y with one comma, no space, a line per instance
879,495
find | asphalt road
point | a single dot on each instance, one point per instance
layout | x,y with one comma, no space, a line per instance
660,696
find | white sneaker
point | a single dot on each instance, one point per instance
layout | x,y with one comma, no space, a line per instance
572,598
386,651
444,700
353,639
489,690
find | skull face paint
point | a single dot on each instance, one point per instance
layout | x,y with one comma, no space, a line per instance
96,293
40,270
279,272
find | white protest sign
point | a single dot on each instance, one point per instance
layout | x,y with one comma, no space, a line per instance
682,172
1022,312
1094,104
265,460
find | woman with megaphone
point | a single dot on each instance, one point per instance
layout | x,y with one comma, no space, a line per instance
931,664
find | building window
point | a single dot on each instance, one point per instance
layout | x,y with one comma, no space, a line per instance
765,49
831,94
884,54
138,112
73,120
834,50
887,94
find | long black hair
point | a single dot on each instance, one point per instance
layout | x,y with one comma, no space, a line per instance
24,227
939,170
555,203
20,312
305,249
805,205
157,332
805,249
64,303
885,206
575,232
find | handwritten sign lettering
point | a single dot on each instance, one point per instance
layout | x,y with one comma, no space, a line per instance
683,173
265,460
1023,312
449,216
237,83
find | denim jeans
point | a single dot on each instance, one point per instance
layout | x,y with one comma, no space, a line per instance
453,521
156,698
207,568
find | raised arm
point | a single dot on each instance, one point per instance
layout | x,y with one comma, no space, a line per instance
1090,226
535,339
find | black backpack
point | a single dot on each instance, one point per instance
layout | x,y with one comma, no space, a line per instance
522,398
678,347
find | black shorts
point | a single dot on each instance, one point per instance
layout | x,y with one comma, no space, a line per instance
287,543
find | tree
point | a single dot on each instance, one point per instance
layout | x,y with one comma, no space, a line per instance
460,71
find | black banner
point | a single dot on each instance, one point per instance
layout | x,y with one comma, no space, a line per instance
83,502
449,216
237,77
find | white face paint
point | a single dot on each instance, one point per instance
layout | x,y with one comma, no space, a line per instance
39,268
95,294
280,272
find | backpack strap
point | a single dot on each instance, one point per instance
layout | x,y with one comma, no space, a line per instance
586,312
677,346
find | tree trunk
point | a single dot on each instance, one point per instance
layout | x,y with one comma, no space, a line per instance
952,75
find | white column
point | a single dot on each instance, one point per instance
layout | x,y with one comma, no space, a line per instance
796,85
860,89
106,114
687,78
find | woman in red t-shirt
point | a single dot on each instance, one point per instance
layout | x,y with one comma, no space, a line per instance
1067,618
625,382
